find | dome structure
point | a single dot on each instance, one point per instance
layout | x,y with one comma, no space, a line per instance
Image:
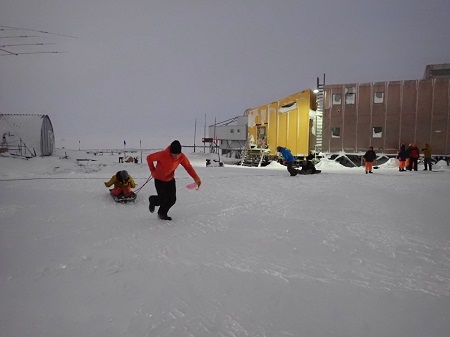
26,135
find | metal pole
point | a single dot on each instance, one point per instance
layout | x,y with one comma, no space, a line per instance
214,140
195,131
204,135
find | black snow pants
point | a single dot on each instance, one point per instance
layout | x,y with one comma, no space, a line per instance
167,196
412,164
291,169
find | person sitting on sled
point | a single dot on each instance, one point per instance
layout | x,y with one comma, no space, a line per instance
308,166
123,183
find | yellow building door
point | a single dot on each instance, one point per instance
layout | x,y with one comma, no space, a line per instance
262,136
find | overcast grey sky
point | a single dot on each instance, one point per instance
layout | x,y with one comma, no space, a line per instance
146,69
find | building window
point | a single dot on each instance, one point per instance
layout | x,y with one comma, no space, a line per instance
350,95
337,99
335,132
377,132
350,98
238,131
231,130
288,107
378,97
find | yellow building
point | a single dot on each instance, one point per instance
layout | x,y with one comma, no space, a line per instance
287,122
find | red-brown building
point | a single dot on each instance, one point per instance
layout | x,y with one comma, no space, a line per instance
386,114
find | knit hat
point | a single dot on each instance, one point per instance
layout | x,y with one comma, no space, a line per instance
124,175
175,147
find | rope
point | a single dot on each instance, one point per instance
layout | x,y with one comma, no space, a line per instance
140,188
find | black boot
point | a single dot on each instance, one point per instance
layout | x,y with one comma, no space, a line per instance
164,217
151,206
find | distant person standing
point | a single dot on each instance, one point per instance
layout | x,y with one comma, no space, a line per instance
413,154
401,156
369,159
407,156
289,159
164,173
427,156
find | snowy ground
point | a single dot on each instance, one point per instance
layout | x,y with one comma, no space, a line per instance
254,252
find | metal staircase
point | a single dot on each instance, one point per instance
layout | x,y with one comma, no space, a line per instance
254,156
319,115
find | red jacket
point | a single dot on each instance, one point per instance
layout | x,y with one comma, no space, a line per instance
413,152
166,165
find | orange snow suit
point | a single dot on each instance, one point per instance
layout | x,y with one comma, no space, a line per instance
121,187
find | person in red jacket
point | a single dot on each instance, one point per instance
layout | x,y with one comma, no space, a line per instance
164,173
413,152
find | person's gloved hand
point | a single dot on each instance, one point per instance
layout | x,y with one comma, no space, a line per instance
199,182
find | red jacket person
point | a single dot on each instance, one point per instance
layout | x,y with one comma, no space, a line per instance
167,162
